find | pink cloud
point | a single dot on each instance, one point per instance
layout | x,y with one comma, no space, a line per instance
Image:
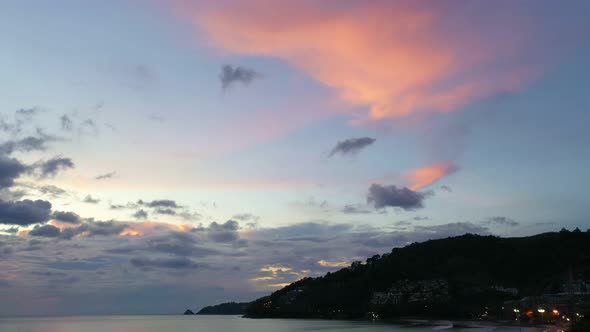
427,175
395,58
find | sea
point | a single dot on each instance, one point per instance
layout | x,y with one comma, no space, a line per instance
200,323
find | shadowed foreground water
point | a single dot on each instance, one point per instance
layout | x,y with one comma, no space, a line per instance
210,324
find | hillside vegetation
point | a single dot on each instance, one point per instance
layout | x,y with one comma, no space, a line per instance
452,277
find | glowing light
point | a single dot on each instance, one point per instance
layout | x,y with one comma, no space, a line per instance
541,310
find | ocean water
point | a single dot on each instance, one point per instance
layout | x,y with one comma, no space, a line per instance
214,324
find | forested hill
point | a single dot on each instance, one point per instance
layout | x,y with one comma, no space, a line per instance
231,308
453,277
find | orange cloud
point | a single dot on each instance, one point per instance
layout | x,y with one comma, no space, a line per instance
151,227
425,176
324,263
395,57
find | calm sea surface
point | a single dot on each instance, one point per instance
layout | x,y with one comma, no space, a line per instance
209,324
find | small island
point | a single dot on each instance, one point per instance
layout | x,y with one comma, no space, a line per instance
188,312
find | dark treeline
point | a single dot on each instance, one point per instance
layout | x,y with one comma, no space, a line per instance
475,272
231,308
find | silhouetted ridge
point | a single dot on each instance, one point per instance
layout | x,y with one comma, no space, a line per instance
452,277
231,308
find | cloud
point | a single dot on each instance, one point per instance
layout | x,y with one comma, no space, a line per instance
52,166
25,212
26,144
167,263
66,217
312,231
45,231
46,190
168,203
230,75
22,117
93,228
11,230
88,127
140,214
451,229
354,209
10,169
174,242
66,123
396,58
105,176
425,176
446,188
351,146
500,221
324,263
112,259
226,232
245,217
27,113
91,200
391,196
166,211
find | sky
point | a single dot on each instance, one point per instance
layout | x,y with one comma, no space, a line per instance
162,155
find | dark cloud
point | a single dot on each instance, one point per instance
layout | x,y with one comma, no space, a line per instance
166,203
446,188
104,228
309,230
313,203
25,212
351,146
186,215
354,209
27,113
402,223
105,176
11,230
88,127
169,212
143,74
94,228
175,243
226,232
230,75
66,217
391,196
22,117
140,214
26,144
500,221
66,123
46,190
167,263
52,191
45,231
10,169
91,200
52,166
246,217
452,229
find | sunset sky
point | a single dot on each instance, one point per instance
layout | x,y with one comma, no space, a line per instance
160,155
